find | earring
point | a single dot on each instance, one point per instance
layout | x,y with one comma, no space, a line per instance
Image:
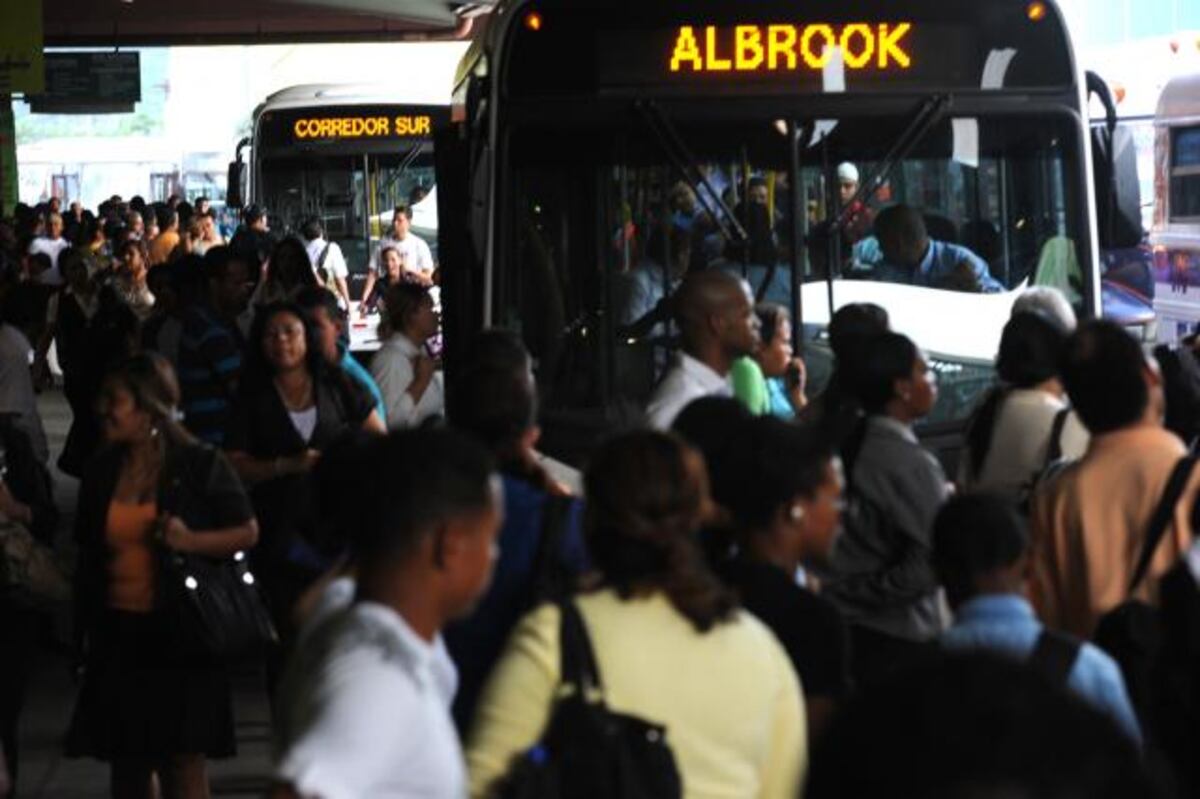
796,513
154,431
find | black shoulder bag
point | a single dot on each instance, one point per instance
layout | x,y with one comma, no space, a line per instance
1132,631
215,602
587,750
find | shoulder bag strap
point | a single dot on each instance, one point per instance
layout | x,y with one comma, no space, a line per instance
1054,449
1162,517
578,660
1054,656
322,272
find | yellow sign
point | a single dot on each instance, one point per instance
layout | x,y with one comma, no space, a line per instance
788,48
21,66
374,127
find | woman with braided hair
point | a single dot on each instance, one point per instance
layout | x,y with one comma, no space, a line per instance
671,646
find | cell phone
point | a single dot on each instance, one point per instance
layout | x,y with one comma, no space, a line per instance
791,377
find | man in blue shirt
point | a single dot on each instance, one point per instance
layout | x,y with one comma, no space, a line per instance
910,256
981,554
210,347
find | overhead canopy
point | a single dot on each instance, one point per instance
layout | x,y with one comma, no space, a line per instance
100,23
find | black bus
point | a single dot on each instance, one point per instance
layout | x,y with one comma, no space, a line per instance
586,134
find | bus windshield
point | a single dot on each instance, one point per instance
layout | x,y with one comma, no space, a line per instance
352,194
606,220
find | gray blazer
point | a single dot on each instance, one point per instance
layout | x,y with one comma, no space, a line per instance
882,572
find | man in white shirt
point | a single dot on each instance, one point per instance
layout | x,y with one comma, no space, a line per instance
364,707
328,262
52,244
407,377
415,256
715,314
16,388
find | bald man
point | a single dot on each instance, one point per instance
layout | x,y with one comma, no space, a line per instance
715,314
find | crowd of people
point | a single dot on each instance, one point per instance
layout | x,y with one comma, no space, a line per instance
764,591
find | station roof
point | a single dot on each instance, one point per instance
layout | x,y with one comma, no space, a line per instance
111,23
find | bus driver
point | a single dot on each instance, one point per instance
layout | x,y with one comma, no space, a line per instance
911,256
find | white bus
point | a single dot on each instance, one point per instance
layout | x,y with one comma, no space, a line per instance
1175,235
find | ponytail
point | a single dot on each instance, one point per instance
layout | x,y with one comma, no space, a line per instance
647,498
982,427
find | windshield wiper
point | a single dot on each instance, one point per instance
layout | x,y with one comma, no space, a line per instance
683,160
928,114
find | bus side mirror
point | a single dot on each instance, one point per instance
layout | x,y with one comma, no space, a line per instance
1115,176
235,191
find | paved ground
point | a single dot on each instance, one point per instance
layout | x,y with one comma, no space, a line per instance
44,773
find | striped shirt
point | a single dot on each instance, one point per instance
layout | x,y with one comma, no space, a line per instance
210,360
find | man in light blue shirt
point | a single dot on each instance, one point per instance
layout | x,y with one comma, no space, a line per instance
981,554
910,256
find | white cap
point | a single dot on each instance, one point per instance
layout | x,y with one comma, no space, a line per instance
847,172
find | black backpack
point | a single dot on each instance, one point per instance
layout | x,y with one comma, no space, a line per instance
1132,632
588,751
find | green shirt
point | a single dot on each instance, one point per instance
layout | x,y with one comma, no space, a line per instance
749,386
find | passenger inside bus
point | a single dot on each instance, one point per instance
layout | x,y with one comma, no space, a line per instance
415,256
857,217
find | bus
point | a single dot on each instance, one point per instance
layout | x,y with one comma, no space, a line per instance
1175,233
583,132
347,154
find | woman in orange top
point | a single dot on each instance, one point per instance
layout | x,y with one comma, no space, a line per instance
148,705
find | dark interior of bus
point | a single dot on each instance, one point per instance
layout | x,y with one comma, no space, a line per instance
589,202
352,194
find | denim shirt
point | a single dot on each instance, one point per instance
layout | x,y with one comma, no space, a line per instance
940,261
1005,623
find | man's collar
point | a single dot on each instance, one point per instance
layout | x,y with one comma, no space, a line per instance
995,606
708,377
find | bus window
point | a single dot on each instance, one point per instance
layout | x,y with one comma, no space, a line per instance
1185,174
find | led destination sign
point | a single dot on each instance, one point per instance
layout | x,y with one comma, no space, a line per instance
790,48
357,127
335,128
692,48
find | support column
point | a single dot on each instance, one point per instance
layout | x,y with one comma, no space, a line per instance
9,187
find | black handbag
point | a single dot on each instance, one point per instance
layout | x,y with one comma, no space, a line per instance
215,604
218,609
587,750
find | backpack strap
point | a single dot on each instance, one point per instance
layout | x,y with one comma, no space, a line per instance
1054,448
577,658
1162,517
1054,656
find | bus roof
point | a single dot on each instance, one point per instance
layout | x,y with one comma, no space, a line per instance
342,94
1181,98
